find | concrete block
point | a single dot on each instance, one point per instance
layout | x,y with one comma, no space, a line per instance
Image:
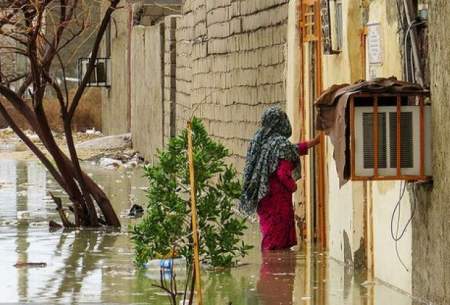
217,15
271,74
219,30
235,25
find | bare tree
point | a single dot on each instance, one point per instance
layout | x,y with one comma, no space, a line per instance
40,30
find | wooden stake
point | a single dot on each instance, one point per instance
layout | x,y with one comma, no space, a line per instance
198,283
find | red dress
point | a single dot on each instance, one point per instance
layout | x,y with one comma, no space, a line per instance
276,211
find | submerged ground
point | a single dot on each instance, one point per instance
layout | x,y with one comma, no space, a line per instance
97,267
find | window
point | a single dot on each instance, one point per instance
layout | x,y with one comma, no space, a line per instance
100,77
310,20
338,25
332,26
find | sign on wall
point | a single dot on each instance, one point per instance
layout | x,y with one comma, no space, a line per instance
374,44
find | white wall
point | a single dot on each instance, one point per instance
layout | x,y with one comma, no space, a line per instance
388,268
340,214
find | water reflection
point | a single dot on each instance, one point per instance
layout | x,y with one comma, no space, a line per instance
96,266
276,279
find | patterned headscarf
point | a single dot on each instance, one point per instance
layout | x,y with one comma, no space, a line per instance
269,145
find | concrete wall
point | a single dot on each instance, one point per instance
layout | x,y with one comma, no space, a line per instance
116,115
431,225
115,101
147,116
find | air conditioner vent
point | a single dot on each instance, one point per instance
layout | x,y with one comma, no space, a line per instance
406,140
368,140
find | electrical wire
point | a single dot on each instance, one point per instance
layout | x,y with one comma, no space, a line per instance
397,211
407,65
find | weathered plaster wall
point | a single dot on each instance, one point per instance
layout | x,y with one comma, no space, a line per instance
347,213
345,205
388,267
385,194
431,227
230,66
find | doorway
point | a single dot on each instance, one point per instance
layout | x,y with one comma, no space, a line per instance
311,88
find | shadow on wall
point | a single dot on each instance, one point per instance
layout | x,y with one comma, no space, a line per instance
88,115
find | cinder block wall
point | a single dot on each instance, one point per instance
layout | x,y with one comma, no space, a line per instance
183,78
231,61
169,94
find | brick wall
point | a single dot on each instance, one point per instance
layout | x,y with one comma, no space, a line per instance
230,66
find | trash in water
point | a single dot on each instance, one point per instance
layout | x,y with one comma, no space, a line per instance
167,266
136,211
31,265
23,215
110,163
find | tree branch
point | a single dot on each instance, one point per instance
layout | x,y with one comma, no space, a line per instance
91,65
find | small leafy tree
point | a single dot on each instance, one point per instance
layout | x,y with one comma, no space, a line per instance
166,228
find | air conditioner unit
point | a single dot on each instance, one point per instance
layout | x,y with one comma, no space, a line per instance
411,143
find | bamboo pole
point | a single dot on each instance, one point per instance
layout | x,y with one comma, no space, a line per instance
197,275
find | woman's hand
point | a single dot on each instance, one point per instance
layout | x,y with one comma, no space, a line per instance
314,141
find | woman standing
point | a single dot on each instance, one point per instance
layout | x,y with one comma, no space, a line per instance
270,174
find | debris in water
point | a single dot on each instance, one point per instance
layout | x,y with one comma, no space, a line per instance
110,163
54,226
30,265
136,211
23,215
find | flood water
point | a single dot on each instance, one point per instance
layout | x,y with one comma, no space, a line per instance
97,267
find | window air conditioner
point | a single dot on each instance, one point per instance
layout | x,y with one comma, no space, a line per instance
410,141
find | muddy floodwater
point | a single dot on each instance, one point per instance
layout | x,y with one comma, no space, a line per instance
97,267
